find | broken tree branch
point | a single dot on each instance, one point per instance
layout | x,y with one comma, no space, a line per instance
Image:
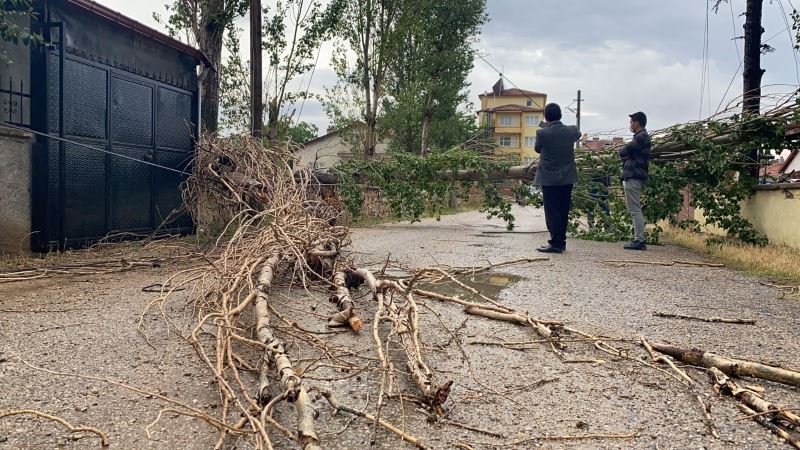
730,366
706,319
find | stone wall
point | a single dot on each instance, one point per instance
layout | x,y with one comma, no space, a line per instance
15,190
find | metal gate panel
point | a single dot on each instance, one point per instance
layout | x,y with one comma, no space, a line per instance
168,197
131,112
85,102
174,124
85,193
130,190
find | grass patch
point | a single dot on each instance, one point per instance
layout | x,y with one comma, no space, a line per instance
776,262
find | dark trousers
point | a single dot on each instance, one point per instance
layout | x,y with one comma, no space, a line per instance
557,201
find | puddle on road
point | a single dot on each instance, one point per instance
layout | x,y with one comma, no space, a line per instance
489,284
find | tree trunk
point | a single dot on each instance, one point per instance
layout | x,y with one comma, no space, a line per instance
426,124
272,119
752,69
211,32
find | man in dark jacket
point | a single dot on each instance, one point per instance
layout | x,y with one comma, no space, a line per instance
635,166
556,174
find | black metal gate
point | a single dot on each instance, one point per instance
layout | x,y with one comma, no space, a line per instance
87,193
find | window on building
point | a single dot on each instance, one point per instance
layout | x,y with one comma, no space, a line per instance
530,102
505,121
530,141
532,121
505,141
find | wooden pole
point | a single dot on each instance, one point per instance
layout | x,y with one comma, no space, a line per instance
751,76
256,71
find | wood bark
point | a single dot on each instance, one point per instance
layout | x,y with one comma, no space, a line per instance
756,404
513,317
344,303
275,356
404,317
730,366
210,34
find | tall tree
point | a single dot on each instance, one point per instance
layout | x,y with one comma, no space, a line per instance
203,23
292,37
434,53
367,32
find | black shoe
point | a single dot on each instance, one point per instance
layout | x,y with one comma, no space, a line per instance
550,249
635,245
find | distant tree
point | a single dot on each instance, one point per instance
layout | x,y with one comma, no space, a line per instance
427,88
234,86
302,132
293,33
362,61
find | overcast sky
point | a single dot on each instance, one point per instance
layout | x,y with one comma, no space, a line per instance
624,55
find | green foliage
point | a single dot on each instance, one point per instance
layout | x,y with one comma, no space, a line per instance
302,132
432,54
15,18
234,85
413,184
292,34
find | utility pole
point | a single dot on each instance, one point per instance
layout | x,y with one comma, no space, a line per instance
256,70
753,72
578,113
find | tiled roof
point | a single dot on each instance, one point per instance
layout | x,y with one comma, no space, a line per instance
514,92
512,108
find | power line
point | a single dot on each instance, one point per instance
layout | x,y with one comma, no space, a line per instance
97,149
733,27
507,79
791,42
704,65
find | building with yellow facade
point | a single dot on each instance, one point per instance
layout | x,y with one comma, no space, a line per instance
511,117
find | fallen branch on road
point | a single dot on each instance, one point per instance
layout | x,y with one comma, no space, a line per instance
705,319
730,366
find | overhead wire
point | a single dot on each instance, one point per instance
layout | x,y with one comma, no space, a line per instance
792,43
97,149
704,65
502,75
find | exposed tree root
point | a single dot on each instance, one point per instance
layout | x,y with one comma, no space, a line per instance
72,429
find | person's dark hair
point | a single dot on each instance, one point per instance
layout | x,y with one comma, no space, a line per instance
639,117
552,112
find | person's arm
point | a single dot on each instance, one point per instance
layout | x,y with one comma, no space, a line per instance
537,146
632,148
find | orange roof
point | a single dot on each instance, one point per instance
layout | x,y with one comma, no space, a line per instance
514,92
773,170
512,108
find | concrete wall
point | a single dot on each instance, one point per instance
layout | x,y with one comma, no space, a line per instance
774,209
15,190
